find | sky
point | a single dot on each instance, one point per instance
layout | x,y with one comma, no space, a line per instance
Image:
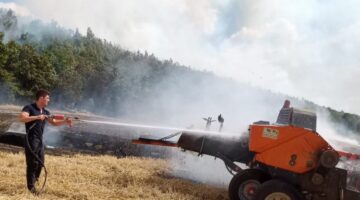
307,49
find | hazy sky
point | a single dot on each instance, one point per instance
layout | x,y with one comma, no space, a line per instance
306,48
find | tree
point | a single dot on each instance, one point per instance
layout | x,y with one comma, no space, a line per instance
89,33
31,71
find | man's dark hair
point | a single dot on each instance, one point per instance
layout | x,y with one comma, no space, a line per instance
42,93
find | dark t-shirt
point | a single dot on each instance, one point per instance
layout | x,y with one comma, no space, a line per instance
35,128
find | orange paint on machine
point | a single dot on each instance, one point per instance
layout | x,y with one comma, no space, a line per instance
291,148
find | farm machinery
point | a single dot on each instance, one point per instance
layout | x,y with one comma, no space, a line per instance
286,160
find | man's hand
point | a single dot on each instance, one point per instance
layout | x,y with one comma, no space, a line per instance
25,117
42,117
54,122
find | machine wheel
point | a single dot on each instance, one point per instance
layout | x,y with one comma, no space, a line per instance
244,185
277,190
329,158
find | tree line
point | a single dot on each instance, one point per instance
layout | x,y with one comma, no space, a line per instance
79,69
86,72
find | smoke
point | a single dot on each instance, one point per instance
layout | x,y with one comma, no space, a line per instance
17,127
336,134
6,93
184,99
300,48
20,10
202,169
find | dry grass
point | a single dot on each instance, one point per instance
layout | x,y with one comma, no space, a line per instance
85,177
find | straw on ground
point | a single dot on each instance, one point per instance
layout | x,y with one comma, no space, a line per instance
85,177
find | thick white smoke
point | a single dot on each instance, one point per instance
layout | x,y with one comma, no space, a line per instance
301,48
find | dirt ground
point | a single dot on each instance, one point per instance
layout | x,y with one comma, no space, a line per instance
85,177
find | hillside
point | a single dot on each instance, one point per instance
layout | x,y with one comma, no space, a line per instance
87,73
101,177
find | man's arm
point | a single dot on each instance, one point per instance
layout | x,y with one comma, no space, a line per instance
56,122
25,117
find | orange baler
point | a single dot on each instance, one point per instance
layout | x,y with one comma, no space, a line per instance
287,160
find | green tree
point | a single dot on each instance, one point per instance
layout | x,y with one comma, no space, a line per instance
31,70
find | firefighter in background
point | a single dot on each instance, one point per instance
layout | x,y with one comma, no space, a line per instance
221,121
208,120
35,117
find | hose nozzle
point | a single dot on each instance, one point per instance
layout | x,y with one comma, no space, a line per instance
62,117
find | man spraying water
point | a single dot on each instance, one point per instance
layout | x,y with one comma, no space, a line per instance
35,117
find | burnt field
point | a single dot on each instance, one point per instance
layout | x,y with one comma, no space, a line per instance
90,135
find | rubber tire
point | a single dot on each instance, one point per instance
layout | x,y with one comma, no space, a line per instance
329,158
274,186
245,175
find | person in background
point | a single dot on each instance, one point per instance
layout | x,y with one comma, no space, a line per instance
221,121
